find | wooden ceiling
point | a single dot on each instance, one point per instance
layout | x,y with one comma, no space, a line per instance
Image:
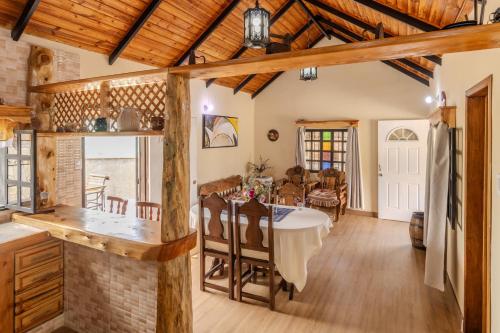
174,27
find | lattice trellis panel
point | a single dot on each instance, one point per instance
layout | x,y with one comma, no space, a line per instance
82,108
149,98
77,109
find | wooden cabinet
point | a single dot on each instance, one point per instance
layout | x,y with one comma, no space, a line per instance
38,284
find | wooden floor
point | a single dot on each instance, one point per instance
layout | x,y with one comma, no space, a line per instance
367,278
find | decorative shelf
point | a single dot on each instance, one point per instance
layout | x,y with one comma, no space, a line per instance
15,113
100,134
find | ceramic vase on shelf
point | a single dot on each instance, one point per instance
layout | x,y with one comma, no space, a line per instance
129,120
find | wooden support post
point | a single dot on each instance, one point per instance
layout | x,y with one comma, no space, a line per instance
174,304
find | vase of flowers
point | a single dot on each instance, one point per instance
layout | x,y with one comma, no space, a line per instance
253,189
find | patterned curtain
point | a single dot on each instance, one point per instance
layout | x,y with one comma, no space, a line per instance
300,148
353,170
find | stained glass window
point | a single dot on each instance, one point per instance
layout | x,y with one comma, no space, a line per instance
325,149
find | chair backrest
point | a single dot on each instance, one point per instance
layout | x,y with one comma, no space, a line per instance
222,187
290,194
148,211
254,211
121,205
217,207
295,171
328,179
96,180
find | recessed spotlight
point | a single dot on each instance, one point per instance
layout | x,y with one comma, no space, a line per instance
429,99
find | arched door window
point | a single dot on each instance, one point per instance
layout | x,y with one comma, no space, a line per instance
402,134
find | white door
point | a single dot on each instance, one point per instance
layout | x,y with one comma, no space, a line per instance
402,155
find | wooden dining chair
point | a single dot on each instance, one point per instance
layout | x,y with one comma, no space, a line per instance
290,195
121,205
254,254
216,243
148,211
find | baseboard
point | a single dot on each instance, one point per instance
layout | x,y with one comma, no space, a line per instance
361,213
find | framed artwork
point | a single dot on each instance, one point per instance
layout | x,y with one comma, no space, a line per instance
219,131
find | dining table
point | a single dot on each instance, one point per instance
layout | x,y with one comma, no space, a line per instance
298,236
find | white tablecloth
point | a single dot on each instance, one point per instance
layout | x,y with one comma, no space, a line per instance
297,238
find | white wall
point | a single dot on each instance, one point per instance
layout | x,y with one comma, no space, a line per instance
458,73
367,92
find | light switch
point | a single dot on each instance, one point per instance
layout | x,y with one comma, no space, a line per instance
78,165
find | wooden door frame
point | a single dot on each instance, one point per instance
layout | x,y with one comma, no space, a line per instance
482,89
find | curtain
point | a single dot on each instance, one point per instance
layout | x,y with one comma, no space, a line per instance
353,170
436,196
300,148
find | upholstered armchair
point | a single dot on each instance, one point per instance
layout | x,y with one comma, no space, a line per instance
299,176
335,180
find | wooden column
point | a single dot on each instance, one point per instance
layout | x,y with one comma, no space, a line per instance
174,309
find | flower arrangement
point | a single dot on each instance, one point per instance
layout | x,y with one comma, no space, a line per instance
254,189
257,169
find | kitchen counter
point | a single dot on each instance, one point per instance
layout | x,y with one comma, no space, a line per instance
17,234
122,235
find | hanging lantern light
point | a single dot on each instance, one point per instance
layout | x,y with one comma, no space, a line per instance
309,73
256,27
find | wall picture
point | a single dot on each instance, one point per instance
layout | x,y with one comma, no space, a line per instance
219,131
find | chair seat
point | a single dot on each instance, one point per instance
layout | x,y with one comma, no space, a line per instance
323,198
245,253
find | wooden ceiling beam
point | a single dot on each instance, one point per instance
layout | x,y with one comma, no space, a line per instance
361,24
395,14
249,78
273,20
22,22
387,62
214,25
443,41
133,30
313,18
359,38
464,39
277,75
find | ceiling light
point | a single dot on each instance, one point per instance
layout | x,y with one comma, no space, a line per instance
256,27
429,100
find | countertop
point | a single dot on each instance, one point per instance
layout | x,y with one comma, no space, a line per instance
13,233
126,236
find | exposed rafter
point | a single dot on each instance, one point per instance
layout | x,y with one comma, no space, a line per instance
24,19
221,17
134,30
251,76
267,84
363,25
395,14
359,38
277,75
313,18
389,63
273,20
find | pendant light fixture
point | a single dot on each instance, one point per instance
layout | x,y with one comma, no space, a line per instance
256,27
309,73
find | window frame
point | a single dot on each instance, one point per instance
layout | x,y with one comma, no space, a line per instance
32,185
332,141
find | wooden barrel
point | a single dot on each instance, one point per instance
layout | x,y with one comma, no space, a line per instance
417,230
